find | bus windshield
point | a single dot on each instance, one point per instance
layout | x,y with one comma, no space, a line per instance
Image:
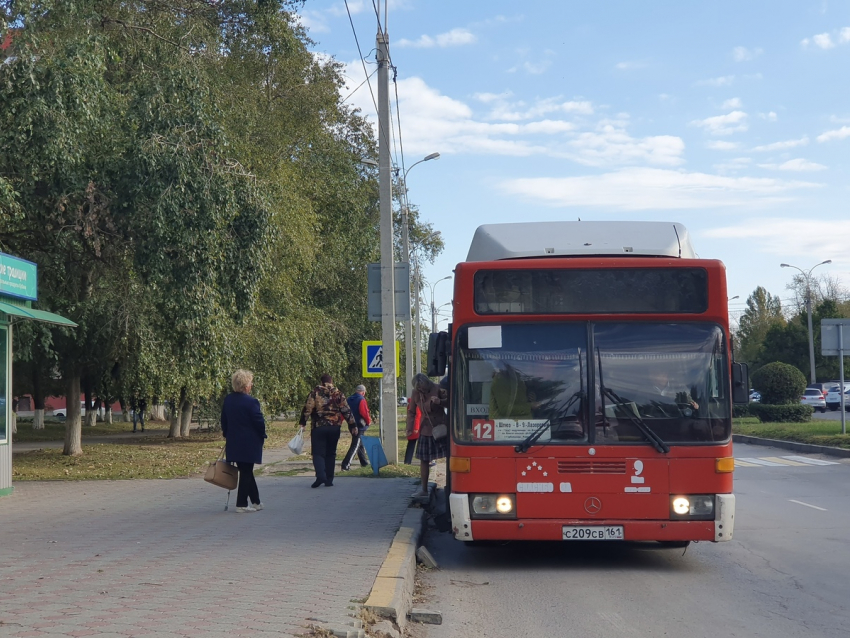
592,383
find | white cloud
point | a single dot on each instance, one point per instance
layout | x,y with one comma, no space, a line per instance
825,41
654,189
718,145
353,6
799,165
733,122
611,145
743,54
492,97
629,65
791,237
733,165
455,37
533,67
838,134
725,80
770,117
780,146
732,103
520,110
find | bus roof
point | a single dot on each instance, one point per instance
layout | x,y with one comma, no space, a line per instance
493,242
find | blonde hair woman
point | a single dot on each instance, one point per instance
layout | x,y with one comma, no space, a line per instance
244,430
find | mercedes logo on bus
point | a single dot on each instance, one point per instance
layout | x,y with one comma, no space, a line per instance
592,505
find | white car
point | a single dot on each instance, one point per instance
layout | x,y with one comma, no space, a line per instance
833,398
814,398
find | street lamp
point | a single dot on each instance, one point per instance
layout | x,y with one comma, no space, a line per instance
433,308
405,240
807,274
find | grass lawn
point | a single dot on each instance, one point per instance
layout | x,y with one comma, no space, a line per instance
54,430
148,457
816,431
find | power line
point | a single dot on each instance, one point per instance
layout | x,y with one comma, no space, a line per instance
360,53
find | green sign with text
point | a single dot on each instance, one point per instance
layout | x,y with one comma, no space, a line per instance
18,278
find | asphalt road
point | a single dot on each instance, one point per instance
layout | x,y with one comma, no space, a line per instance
785,573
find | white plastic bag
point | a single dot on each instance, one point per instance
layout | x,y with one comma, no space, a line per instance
297,443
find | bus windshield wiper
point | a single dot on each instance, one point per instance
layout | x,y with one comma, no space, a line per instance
523,447
656,441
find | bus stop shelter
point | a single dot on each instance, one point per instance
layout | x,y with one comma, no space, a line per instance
18,291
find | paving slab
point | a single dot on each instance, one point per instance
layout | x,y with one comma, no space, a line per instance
163,558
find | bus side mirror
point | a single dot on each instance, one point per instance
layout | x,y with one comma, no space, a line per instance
438,353
740,383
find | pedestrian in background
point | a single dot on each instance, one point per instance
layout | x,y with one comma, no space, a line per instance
362,418
138,405
327,409
244,430
413,436
433,401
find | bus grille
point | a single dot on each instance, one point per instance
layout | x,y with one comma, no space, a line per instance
591,467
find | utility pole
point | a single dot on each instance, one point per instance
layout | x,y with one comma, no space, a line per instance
389,399
807,275
418,321
405,242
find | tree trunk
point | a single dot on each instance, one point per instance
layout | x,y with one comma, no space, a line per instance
174,430
185,417
109,414
158,412
73,425
125,412
38,401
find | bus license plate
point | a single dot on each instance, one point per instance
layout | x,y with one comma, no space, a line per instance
593,533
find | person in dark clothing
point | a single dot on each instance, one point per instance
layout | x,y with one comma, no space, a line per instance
413,435
432,401
327,408
360,410
138,405
244,429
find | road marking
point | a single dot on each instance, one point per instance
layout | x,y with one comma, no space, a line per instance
811,461
814,507
782,461
742,463
761,462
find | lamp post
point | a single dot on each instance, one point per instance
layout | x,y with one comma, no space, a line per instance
807,274
405,240
433,308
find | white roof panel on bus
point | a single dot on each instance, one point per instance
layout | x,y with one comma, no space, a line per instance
492,242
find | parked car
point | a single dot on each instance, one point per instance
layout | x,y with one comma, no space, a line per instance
402,401
755,396
814,398
833,398
823,387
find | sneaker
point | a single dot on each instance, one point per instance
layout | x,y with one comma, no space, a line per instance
419,494
345,468
317,483
432,464
257,506
243,510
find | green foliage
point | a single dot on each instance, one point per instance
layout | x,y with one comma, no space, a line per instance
779,383
787,413
763,312
741,411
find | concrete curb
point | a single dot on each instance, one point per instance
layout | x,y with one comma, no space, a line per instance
792,445
392,593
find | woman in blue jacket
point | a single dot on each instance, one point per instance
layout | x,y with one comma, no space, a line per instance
244,430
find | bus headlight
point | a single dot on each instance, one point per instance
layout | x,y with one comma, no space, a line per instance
693,507
492,505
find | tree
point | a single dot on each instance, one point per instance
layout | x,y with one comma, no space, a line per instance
779,383
763,311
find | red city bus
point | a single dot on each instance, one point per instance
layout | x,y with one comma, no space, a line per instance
591,386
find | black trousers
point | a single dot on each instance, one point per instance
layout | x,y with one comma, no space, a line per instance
356,447
247,485
323,440
411,448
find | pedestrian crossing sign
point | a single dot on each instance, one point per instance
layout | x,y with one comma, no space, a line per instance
373,358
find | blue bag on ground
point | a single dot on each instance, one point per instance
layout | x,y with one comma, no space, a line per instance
375,452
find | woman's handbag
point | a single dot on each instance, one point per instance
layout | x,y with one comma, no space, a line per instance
440,431
222,473
297,443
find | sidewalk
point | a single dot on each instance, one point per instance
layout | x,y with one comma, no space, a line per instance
162,558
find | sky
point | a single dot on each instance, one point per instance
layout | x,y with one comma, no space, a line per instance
731,118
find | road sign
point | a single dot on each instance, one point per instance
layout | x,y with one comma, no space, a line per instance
829,336
373,360
402,291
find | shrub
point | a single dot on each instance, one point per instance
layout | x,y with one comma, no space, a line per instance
797,413
740,411
779,384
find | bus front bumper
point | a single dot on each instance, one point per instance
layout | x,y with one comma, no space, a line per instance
719,530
